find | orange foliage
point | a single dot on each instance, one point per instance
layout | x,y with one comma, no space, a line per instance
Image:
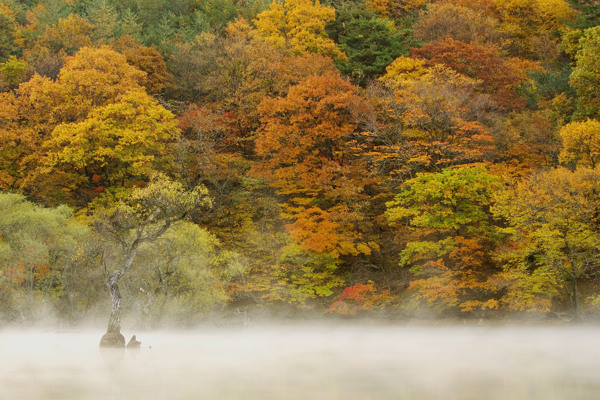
500,76
304,154
303,133
146,59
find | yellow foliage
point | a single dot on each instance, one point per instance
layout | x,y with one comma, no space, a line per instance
395,8
404,69
300,26
548,14
581,143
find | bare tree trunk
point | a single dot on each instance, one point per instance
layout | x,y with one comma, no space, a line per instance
114,322
113,336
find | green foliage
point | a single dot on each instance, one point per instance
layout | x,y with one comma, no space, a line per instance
547,85
586,74
589,13
371,43
7,34
105,21
13,72
129,25
42,251
142,218
218,13
182,275
449,212
302,275
455,199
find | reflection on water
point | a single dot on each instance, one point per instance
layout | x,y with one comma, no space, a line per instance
308,363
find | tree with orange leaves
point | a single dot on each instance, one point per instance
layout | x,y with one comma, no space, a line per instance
428,118
302,143
501,77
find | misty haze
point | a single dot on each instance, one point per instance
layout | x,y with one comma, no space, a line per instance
307,361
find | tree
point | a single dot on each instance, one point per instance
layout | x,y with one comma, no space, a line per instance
589,13
8,28
129,25
92,78
360,297
447,19
552,222
450,254
396,9
581,143
233,74
585,77
143,217
146,59
301,276
207,152
501,77
528,140
42,254
300,26
370,42
435,113
305,157
182,276
113,147
104,21
528,25
12,73
47,53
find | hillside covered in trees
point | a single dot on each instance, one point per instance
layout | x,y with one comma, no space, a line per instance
396,158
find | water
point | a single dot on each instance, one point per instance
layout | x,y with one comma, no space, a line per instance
309,363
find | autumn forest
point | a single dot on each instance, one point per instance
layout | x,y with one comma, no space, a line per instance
184,159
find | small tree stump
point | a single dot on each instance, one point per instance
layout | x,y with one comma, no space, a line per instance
133,343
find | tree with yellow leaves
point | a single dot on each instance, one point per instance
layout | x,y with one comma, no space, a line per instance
528,25
435,111
299,25
552,225
113,147
92,78
581,143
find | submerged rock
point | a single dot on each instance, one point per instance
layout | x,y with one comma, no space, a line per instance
112,339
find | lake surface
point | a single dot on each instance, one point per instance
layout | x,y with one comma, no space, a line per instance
309,363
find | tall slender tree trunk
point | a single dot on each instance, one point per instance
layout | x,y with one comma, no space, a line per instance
113,336
114,322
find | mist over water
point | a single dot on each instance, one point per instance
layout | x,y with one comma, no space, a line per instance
308,362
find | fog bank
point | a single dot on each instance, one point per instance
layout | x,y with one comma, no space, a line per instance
307,362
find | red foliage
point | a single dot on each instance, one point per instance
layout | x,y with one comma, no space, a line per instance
359,297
